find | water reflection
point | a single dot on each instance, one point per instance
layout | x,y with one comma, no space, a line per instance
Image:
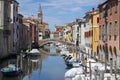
43,67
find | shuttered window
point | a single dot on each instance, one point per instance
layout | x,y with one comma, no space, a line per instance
110,29
115,28
102,30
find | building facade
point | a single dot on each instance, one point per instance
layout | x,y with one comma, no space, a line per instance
14,40
94,32
43,27
20,32
82,34
58,30
75,31
87,35
5,27
109,47
69,33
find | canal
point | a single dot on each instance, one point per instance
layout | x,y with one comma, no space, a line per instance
44,67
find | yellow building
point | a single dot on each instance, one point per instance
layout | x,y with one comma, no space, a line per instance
94,30
68,33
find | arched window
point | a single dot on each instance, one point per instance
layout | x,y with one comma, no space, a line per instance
110,49
115,51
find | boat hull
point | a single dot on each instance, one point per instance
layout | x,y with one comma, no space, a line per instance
69,65
11,73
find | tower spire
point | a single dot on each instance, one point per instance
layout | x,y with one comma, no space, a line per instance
40,15
40,9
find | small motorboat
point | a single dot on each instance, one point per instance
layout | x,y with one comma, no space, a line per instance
34,52
11,70
69,65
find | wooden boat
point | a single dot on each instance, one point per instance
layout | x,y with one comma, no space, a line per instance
11,70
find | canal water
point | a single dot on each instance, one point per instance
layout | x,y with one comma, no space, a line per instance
44,67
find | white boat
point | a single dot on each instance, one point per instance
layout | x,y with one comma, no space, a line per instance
11,70
34,52
73,72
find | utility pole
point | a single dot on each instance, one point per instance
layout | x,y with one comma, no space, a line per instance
111,66
106,51
90,70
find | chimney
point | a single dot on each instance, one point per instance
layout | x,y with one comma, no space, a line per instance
93,9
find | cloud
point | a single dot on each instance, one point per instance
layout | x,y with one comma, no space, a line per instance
58,11
53,21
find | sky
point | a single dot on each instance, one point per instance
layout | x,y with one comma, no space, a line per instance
57,12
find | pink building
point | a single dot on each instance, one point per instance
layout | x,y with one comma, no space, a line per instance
109,27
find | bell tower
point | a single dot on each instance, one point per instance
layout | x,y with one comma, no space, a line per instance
40,15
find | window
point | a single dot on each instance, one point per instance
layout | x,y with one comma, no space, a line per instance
115,28
84,25
102,32
97,19
110,31
106,31
115,7
14,19
16,9
110,9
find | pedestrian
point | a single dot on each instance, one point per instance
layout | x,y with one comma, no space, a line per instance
27,51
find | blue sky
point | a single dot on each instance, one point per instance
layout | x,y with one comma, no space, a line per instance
58,12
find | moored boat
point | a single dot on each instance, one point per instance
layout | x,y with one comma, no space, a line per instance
11,70
34,52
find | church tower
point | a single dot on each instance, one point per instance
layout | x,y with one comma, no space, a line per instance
40,15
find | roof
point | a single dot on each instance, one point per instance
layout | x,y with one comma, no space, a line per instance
41,28
102,4
44,23
91,12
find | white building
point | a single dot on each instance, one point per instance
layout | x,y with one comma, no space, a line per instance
52,35
40,35
81,34
64,32
75,32
87,38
